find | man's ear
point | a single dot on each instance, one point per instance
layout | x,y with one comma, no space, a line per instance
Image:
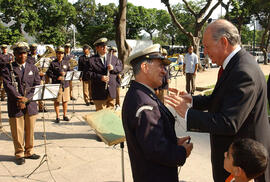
144,67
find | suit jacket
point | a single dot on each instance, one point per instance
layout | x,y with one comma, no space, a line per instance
26,82
96,70
237,108
83,62
150,135
268,89
55,69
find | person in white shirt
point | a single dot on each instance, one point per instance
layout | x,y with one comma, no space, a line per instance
190,67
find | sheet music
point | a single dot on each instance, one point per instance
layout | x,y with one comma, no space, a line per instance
45,62
73,75
50,92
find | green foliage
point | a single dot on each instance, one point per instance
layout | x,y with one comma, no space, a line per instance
93,21
7,36
41,18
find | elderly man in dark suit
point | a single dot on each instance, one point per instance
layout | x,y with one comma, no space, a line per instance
99,66
154,150
237,108
19,79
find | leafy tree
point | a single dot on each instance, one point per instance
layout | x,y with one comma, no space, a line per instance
8,36
94,21
200,18
43,19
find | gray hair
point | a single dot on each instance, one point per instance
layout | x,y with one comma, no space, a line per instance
136,65
224,28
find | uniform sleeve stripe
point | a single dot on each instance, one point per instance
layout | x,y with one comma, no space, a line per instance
143,108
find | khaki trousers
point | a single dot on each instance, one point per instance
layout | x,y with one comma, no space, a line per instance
87,93
102,104
117,96
22,129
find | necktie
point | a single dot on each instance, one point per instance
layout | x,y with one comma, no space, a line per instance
22,69
220,72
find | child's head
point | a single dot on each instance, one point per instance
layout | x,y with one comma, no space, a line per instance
246,158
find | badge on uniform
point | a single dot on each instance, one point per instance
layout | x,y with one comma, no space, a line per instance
30,73
65,66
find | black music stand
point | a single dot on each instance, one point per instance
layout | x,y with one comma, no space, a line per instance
45,92
73,76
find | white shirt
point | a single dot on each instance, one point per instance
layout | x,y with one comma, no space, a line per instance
190,61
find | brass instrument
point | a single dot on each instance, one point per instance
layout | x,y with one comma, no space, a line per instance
46,57
73,63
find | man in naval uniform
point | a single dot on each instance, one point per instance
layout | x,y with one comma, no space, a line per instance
5,58
100,64
20,78
154,150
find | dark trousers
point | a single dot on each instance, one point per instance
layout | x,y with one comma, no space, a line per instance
190,80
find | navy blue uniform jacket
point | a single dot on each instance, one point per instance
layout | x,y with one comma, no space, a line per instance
237,108
151,139
96,70
55,69
83,62
26,82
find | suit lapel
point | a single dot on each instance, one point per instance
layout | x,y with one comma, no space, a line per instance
26,71
227,70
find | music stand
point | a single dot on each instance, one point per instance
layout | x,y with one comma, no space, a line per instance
107,124
45,92
73,76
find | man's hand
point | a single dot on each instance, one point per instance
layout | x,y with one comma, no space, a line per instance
105,78
110,67
21,103
41,73
60,78
187,97
178,103
183,142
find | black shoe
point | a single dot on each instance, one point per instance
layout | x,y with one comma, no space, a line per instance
88,104
57,120
72,98
2,99
20,161
65,118
34,156
92,103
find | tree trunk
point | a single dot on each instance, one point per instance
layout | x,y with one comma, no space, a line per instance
123,47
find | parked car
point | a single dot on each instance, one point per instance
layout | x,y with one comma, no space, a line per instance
258,56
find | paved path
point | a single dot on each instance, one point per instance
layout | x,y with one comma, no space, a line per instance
74,154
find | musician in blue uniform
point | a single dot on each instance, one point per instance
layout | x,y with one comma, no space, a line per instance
154,150
20,78
5,58
99,66
86,82
57,71
33,58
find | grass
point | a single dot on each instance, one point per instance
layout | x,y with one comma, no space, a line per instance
212,86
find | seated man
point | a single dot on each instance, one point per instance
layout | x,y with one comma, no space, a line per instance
246,159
